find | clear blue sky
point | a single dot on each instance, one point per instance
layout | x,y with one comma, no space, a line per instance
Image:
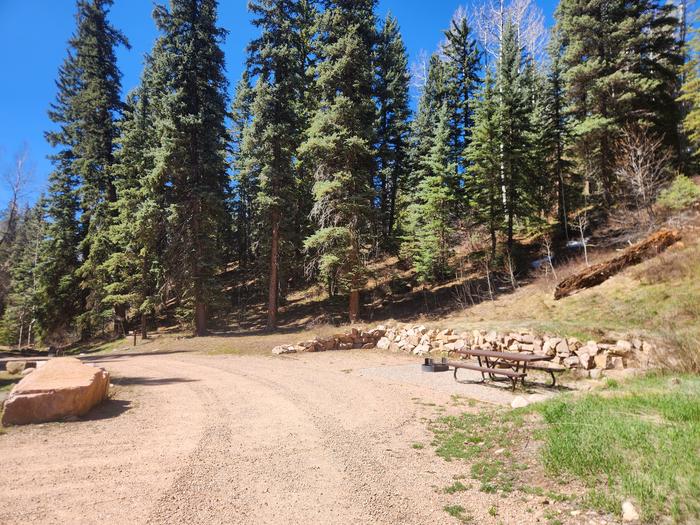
33,36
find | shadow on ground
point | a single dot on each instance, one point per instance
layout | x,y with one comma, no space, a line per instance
109,409
150,381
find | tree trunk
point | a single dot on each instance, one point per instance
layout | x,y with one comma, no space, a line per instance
200,317
354,306
119,318
144,326
272,292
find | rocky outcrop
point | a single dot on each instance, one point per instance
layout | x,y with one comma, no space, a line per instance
62,388
589,358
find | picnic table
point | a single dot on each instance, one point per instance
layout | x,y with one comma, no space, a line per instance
509,365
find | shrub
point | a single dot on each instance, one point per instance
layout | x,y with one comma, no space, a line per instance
681,194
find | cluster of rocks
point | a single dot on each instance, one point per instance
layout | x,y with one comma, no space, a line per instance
344,341
590,357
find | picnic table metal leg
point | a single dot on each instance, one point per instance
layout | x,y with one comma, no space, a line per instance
554,379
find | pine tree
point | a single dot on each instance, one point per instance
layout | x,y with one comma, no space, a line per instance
463,61
190,161
557,130
137,233
277,57
245,185
392,127
19,323
433,97
621,60
339,144
96,106
429,232
513,117
61,299
484,156
691,94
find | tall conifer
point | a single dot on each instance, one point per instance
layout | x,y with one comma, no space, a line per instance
190,161
339,144
391,91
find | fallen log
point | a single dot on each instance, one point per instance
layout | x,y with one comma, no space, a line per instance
599,273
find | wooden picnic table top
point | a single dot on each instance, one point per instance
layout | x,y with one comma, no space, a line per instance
507,356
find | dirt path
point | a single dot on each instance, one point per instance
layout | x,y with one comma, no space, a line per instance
190,438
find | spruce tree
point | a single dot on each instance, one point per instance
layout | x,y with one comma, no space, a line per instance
621,60
190,161
96,106
339,144
484,184
245,185
514,120
392,126
690,94
429,226
137,233
557,128
277,58
20,320
463,61
61,299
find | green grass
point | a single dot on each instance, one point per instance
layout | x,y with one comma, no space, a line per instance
457,486
639,440
417,446
486,440
458,512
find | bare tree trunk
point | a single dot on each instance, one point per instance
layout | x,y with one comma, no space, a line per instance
21,332
354,306
144,326
200,317
274,255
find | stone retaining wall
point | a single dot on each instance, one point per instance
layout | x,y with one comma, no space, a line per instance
590,356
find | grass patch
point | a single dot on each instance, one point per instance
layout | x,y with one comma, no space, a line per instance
458,512
7,381
486,439
418,446
639,440
457,486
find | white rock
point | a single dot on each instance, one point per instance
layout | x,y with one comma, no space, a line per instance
629,513
27,371
383,343
519,402
284,349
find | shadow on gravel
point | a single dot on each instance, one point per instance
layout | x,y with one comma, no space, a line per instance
114,357
107,410
150,381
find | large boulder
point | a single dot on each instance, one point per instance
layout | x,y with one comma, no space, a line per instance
62,388
15,367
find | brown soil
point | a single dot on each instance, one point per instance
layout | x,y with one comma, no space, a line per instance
191,438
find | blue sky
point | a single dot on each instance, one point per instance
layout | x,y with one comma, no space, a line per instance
33,36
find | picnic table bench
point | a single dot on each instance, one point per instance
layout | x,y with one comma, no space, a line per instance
509,365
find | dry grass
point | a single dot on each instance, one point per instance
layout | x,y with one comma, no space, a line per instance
237,343
658,300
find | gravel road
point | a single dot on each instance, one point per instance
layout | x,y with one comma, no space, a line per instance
192,438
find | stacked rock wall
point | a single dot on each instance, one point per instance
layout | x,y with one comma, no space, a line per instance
569,353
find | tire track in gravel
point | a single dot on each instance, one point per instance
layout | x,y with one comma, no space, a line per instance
368,471
191,495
